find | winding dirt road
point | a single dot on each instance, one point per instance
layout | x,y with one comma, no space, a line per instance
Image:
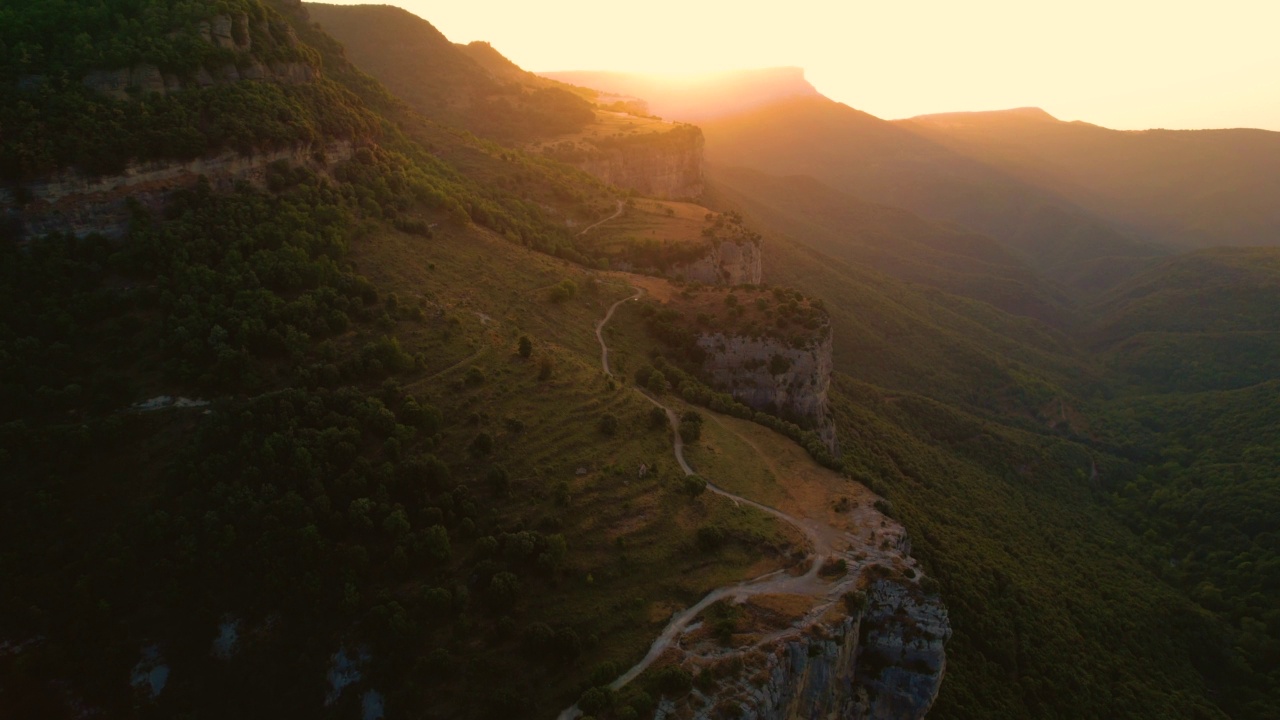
598,223
824,539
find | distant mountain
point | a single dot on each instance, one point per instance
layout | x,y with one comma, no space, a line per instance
894,241
470,86
1193,188
695,98
863,155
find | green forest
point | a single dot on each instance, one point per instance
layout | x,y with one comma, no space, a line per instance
350,409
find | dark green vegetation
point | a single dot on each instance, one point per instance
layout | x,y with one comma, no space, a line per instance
409,452
1079,528
400,448
54,118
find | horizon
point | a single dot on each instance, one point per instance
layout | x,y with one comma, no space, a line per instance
1129,72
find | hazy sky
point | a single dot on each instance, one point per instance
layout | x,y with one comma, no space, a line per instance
1118,63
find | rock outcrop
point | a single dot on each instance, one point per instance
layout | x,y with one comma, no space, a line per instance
726,263
775,375
230,32
663,165
839,667
901,652
72,202
870,645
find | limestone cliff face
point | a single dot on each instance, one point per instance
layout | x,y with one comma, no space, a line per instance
231,32
71,202
871,646
726,263
772,374
885,663
666,166
901,652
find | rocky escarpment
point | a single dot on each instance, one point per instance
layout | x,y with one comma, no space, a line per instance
273,59
75,203
777,375
882,663
725,263
661,165
229,48
870,645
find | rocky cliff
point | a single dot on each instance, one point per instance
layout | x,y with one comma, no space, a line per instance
244,48
726,263
777,375
869,646
75,203
660,165
273,58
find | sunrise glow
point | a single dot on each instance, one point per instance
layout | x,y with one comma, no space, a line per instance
1127,64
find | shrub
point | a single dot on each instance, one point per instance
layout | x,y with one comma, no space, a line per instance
657,383
694,485
711,537
642,375
608,424
482,445
525,347
657,418
690,432
565,290
672,680
596,700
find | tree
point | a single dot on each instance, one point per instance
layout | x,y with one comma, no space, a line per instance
690,427
526,346
657,418
564,291
504,589
482,445
657,382
436,543
694,485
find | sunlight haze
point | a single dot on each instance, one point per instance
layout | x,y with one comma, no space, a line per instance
1121,64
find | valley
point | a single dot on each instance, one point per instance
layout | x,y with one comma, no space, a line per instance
501,395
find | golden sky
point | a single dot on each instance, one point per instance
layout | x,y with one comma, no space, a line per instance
1128,64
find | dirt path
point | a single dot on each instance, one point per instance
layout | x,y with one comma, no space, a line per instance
598,223
604,349
824,539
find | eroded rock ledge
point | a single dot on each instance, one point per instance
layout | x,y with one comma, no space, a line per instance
775,375
79,204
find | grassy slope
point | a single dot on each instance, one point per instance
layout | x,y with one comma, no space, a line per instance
632,536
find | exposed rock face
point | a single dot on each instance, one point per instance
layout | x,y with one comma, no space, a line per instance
233,32
770,374
868,646
838,668
903,635
726,263
669,167
71,202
